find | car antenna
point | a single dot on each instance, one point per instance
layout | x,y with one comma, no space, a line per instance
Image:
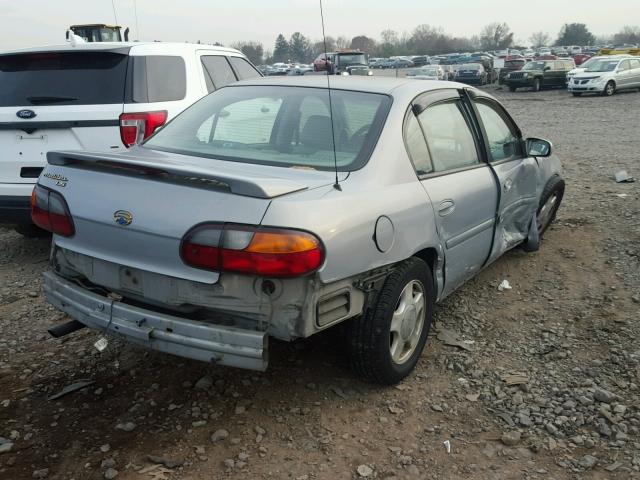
333,134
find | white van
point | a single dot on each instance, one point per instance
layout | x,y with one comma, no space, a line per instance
95,96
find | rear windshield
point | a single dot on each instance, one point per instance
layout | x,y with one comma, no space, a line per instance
281,126
62,78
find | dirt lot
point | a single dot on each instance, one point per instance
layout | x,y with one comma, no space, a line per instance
566,335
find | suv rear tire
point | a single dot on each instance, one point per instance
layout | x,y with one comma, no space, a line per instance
576,94
386,341
512,89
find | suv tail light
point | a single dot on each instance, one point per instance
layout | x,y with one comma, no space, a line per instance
136,127
262,251
50,211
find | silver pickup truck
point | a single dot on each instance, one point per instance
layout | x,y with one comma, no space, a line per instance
280,208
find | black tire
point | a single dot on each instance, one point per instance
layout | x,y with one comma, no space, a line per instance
369,336
609,89
537,85
555,186
576,94
512,89
29,230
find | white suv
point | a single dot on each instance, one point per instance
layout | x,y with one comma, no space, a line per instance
95,96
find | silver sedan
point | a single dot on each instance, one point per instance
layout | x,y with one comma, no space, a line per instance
281,208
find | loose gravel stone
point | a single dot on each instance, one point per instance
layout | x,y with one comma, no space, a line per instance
511,438
219,435
364,470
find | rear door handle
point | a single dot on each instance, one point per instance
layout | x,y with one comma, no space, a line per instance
446,207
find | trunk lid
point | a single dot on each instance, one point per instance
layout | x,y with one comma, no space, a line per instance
165,195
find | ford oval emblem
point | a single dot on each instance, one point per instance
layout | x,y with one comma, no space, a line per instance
122,218
25,114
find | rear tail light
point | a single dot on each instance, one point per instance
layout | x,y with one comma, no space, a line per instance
262,251
136,127
50,211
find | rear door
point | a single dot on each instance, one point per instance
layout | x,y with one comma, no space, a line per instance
624,79
554,77
516,173
459,183
64,100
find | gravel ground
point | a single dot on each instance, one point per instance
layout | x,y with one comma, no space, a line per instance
546,385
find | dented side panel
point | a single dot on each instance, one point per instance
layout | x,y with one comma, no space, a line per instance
519,192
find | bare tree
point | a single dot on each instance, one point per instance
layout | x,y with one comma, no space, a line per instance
540,39
363,43
425,40
628,34
389,36
342,42
496,36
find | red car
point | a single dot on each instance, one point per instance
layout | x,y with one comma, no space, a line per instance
580,58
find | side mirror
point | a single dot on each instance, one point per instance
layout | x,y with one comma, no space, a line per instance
537,147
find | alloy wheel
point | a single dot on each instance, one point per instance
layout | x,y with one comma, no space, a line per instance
407,322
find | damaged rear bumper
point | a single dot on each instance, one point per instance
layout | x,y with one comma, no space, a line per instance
197,340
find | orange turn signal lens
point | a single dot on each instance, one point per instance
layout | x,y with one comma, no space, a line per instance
281,242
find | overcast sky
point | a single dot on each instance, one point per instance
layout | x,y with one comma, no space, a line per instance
40,22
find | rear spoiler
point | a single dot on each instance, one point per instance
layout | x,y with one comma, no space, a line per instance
245,184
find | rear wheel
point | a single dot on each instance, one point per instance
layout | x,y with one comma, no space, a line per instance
576,94
512,89
537,85
387,340
609,89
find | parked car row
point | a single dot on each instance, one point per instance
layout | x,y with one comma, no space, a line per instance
281,68
602,75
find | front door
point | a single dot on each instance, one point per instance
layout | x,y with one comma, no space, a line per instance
459,183
515,172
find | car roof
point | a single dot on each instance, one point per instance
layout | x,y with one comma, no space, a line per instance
373,84
110,46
